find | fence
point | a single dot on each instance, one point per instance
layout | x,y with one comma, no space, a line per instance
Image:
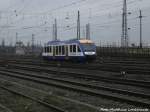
123,52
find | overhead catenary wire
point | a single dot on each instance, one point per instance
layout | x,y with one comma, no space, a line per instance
59,7
71,26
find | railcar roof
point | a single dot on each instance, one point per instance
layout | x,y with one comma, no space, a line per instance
85,41
58,42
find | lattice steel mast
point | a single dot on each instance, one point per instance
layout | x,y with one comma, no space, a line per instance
78,26
124,37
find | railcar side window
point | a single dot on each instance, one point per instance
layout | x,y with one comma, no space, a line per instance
59,50
70,48
56,50
63,50
79,50
50,49
45,49
74,48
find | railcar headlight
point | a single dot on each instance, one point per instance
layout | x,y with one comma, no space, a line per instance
90,53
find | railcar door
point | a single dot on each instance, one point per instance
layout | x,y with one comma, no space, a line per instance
66,52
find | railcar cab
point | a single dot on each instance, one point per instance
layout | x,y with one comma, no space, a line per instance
89,48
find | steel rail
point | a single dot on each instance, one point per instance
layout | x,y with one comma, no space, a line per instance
121,91
84,90
144,84
33,99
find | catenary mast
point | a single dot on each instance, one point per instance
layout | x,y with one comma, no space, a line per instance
124,37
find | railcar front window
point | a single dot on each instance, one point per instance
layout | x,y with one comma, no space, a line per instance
88,47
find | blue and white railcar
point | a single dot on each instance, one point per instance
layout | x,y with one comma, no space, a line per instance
76,50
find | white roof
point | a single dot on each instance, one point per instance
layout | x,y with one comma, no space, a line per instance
85,41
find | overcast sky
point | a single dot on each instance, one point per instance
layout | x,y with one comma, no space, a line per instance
27,17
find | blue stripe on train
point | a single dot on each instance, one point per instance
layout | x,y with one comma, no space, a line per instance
64,58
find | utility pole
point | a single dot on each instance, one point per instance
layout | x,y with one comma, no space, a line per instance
53,32
3,42
33,43
88,31
124,38
140,17
78,26
16,37
55,29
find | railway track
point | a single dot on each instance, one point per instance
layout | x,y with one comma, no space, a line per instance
45,99
22,94
112,67
85,75
80,83
138,99
4,108
106,61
